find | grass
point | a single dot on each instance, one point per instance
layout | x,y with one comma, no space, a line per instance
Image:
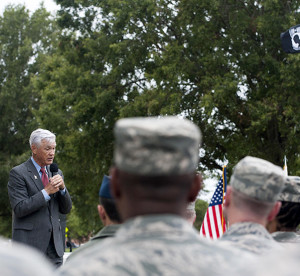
67,249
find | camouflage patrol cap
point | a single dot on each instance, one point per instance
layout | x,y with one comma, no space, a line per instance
291,191
258,179
156,146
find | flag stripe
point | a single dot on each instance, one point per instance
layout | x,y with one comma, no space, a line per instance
215,222
219,220
208,224
206,227
203,231
212,223
223,224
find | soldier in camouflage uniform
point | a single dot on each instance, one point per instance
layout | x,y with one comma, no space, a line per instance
284,226
108,214
251,202
285,262
153,181
20,260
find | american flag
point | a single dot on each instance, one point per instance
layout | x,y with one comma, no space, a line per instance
214,224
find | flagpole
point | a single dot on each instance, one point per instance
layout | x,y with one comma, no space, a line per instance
224,176
285,166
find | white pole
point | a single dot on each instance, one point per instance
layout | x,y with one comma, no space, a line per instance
285,166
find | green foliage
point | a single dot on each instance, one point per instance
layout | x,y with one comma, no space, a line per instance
200,208
23,38
77,229
218,63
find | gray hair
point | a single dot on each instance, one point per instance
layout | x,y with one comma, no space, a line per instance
41,134
251,205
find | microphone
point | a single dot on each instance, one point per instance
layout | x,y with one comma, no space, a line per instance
54,169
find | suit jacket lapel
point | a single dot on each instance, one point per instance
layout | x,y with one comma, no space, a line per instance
34,175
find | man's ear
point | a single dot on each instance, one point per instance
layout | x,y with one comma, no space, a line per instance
101,212
272,225
275,210
33,148
115,183
195,188
227,200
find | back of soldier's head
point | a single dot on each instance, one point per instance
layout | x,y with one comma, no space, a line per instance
156,146
288,217
256,184
156,154
107,201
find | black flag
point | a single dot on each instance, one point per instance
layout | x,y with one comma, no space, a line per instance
290,40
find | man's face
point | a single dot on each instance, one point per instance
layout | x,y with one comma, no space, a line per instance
44,154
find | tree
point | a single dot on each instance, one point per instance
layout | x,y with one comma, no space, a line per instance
23,38
218,63
200,208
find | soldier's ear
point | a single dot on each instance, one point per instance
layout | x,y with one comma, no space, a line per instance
275,210
227,200
101,212
195,188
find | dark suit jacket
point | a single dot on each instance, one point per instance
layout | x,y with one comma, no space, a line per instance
34,219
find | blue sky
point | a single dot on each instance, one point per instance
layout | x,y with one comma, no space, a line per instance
32,5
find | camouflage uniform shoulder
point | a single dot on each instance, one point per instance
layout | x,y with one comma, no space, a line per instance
284,262
156,245
17,259
105,233
250,237
286,237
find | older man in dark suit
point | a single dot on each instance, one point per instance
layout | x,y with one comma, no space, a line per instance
37,196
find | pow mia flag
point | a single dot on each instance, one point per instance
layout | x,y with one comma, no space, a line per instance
290,40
